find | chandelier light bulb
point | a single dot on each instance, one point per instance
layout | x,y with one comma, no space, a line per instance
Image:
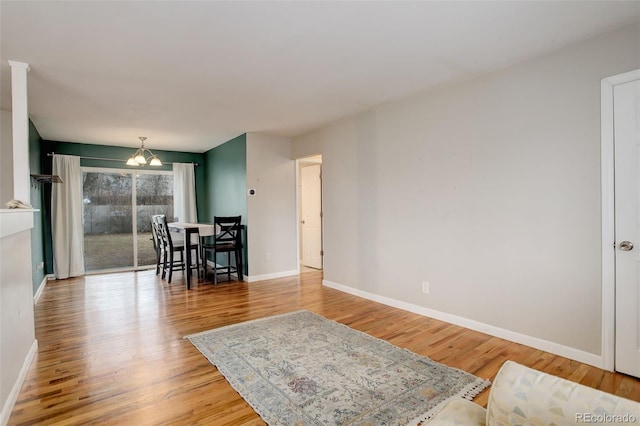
140,158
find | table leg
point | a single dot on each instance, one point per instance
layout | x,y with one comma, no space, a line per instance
187,243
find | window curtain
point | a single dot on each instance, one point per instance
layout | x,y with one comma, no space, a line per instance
184,193
66,218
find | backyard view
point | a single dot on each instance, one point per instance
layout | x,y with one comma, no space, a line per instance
104,251
109,203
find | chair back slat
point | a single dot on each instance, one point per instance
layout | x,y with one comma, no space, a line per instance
165,235
229,227
155,230
227,239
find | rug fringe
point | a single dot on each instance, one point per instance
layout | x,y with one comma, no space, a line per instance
475,389
468,392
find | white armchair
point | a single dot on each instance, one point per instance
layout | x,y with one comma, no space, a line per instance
523,396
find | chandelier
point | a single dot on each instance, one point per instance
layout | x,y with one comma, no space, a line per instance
139,159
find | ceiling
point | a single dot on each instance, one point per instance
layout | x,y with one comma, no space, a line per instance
192,75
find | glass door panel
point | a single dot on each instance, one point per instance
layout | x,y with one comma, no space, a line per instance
107,214
154,195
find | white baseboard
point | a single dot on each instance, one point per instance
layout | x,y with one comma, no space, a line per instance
534,342
15,390
275,275
43,284
251,279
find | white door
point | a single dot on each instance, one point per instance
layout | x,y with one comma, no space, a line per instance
311,215
626,103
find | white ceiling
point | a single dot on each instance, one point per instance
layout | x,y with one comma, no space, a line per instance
192,75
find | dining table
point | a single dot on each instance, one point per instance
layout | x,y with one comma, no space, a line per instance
188,229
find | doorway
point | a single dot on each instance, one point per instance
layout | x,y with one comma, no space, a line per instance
310,212
620,227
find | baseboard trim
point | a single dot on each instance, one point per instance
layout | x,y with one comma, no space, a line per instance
273,276
43,284
534,342
15,390
254,278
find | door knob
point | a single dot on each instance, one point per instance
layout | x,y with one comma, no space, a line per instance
302,222
626,246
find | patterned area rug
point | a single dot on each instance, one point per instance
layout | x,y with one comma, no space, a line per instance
303,369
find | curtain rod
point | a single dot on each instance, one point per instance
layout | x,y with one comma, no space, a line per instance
51,154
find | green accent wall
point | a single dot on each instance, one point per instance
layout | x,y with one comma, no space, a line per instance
226,179
116,152
226,183
37,233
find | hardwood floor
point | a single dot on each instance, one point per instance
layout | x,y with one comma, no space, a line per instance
111,348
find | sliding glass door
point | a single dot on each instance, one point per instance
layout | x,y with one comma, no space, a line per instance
117,209
154,195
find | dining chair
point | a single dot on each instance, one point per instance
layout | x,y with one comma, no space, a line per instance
157,240
170,247
226,240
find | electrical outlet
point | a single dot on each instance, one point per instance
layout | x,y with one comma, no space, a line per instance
268,257
40,266
426,287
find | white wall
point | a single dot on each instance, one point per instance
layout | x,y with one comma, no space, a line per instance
18,345
17,329
6,158
488,188
272,211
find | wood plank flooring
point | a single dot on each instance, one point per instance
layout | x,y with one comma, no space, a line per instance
111,348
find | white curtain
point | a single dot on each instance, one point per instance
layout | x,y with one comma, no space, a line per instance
184,193
66,218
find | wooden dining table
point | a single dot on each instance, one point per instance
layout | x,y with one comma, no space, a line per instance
189,229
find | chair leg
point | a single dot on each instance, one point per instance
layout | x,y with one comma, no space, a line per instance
197,253
164,265
239,266
203,256
228,266
157,260
170,266
187,268
215,267
204,262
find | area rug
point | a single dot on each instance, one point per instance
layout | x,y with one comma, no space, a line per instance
303,369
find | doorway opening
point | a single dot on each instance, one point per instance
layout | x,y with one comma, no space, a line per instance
310,223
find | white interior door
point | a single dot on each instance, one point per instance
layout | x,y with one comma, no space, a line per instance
311,215
626,102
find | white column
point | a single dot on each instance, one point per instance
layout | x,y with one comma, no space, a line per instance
20,120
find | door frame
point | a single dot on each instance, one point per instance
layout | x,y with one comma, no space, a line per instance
607,173
306,159
134,212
